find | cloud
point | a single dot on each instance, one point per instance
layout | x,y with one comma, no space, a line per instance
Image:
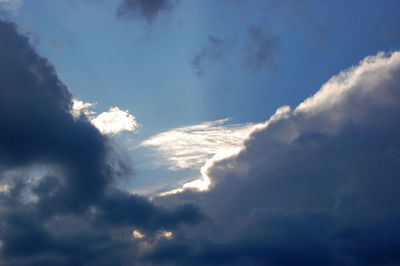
114,121
144,9
314,186
197,147
79,107
214,50
71,213
192,146
259,50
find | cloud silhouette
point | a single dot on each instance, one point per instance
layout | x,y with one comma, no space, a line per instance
70,212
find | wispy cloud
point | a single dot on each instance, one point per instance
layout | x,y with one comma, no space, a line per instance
197,146
192,146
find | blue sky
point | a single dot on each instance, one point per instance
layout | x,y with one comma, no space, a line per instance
147,67
128,62
193,93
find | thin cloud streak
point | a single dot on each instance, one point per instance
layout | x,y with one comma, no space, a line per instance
197,147
192,146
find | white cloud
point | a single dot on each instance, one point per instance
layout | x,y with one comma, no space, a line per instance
192,146
197,147
79,107
338,99
114,121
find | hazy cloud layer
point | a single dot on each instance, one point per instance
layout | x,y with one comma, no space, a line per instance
314,186
71,214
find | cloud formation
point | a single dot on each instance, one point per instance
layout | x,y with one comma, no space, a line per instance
314,186
144,9
192,146
214,50
259,50
197,147
114,121
71,213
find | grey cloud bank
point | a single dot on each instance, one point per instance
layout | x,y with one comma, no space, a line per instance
315,186
71,214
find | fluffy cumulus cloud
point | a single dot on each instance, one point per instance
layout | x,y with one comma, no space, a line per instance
70,212
114,121
318,185
144,9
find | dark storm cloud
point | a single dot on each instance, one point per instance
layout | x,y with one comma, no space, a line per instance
315,186
144,9
214,50
260,50
71,215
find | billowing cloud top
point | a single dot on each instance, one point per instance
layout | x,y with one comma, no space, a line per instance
314,186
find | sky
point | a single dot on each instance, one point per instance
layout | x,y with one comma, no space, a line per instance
180,132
